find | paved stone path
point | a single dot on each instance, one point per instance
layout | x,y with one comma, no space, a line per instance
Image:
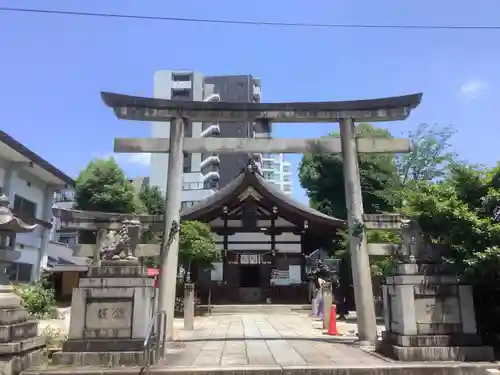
263,340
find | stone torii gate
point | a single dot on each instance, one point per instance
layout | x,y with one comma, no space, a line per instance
346,113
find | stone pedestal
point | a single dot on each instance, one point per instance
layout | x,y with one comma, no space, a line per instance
430,318
326,291
20,347
189,306
110,313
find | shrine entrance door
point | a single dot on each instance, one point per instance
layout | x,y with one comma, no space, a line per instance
250,289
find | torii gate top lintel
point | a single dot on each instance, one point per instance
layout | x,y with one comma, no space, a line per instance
154,109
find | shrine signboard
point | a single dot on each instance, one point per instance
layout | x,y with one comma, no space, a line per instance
249,259
109,315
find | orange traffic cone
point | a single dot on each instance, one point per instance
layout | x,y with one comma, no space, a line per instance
332,325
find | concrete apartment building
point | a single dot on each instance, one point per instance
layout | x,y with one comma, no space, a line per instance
204,174
31,184
278,171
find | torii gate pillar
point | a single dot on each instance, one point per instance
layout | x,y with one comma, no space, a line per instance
169,257
358,248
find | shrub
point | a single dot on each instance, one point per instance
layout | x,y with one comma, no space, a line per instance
39,299
54,337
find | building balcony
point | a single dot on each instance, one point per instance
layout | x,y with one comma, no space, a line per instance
59,250
268,157
263,135
209,159
65,196
213,185
213,129
212,175
182,85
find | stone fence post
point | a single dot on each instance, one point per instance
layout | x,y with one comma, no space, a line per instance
189,306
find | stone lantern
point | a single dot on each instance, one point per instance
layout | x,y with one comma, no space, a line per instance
10,226
18,332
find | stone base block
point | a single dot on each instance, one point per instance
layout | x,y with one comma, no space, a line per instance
102,359
103,345
437,353
421,341
18,331
123,271
12,316
15,363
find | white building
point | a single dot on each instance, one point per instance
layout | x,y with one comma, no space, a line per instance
278,171
31,183
203,173
200,177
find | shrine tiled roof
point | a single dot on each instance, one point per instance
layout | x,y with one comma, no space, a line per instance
251,177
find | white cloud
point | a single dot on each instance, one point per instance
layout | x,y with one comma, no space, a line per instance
473,88
128,159
141,159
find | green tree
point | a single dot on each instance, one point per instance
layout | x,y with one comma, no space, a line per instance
461,212
102,186
323,179
152,199
197,246
154,203
430,155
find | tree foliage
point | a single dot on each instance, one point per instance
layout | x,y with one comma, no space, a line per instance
323,179
460,212
152,199
197,246
102,186
383,179
430,155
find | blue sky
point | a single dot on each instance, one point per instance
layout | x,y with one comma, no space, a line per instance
53,67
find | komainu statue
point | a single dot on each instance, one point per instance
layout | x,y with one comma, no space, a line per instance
121,245
417,246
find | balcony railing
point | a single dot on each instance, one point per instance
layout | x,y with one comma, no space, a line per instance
213,174
210,130
263,135
65,196
214,185
207,159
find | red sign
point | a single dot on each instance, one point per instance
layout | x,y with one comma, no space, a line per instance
152,272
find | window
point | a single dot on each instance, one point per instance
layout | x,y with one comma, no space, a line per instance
286,178
287,188
64,239
24,207
181,94
187,163
69,240
20,272
268,165
286,168
181,77
187,204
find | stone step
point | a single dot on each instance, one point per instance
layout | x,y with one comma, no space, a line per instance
419,368
257,309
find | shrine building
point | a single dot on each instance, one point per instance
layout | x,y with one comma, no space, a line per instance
264,236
